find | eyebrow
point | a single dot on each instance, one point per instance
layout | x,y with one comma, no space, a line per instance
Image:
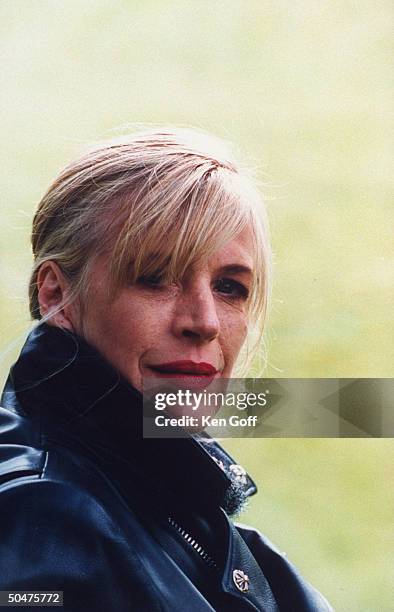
235,269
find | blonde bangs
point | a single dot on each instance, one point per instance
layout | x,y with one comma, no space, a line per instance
179,222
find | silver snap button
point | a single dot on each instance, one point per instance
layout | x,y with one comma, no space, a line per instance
241,580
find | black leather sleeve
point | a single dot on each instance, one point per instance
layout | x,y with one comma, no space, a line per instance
56,537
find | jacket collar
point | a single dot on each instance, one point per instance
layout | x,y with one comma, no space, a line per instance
67,387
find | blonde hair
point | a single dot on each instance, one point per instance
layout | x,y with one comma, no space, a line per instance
158,200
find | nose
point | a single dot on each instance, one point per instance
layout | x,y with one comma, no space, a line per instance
196,315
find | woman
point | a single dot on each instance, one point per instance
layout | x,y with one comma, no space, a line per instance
150,257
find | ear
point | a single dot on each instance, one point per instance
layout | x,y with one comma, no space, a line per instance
52,290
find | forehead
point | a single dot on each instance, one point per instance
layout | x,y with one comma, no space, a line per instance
237,251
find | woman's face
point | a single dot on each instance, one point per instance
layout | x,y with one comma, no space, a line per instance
194,328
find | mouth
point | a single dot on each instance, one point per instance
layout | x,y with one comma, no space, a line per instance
183,369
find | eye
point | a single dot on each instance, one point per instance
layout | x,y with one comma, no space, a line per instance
232,288
153,281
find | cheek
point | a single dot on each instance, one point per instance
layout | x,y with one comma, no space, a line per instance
124,328
127,328
233,334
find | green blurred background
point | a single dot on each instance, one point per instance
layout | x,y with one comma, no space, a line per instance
304,89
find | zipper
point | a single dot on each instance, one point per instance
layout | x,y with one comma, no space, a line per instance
194,544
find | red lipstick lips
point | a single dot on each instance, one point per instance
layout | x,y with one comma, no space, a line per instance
185,368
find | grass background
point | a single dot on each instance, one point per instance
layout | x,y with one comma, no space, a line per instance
305,90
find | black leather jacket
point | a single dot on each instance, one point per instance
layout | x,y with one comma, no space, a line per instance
116,522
